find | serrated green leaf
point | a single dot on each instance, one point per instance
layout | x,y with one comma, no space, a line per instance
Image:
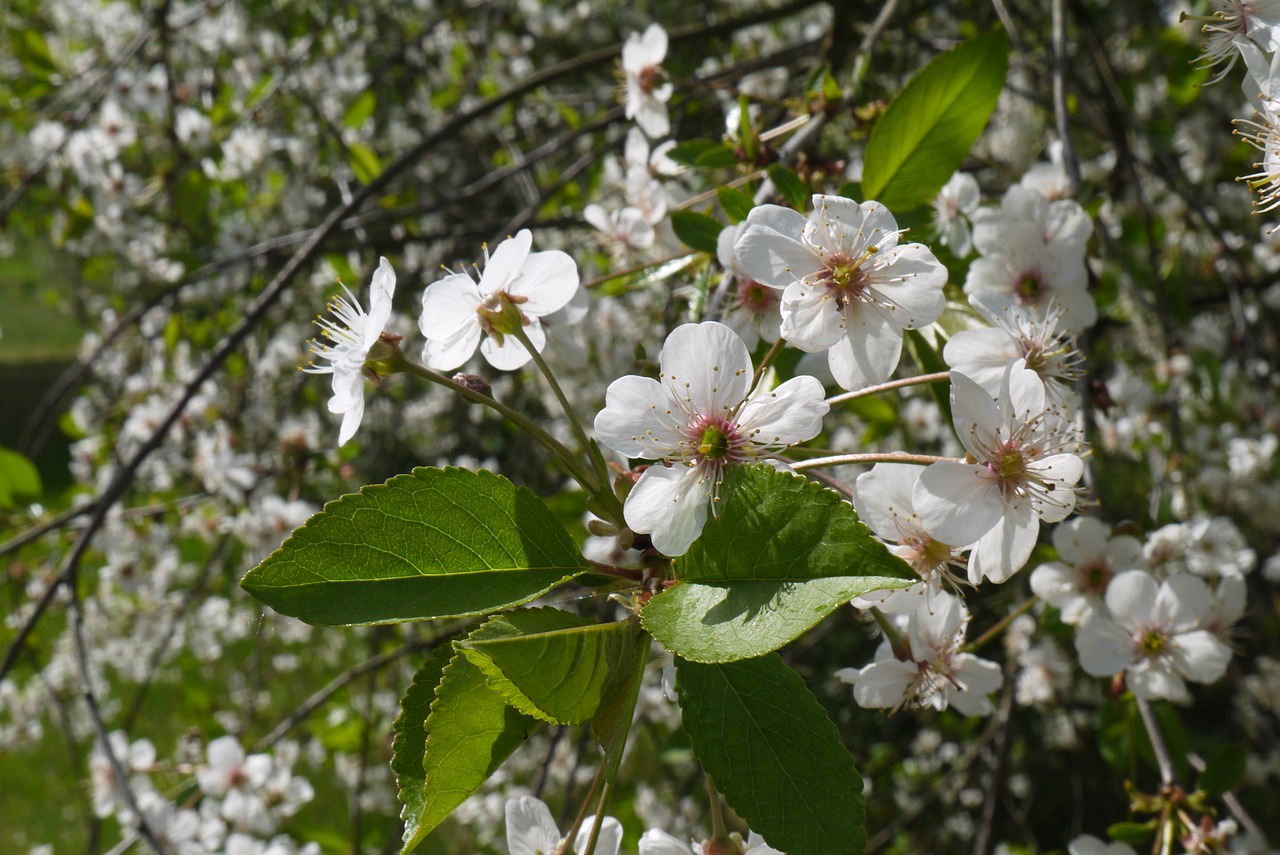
409,747
777,526
790,185
744,619
433,543
770,749
928,129
360,110
471,730
19,478
696,231
736,203
561,674
1132,833
364,162
1223,771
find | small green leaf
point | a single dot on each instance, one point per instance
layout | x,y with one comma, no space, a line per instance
743,619
1224,770
696,231
409,747
19,479
364,162
790,185
736,203
687,153
769,747
31,49
773,525
429,544
717,157
561,672
471,730
360,110
928,129
1132,833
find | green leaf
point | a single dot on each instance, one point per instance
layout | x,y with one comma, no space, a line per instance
687,153
736,203
364,162
1223,771
19,479
409,747
769,747
1132,833
429,544
360,110
716,157
790,185
928,129
780,555
471,730
560,668
31,49
696,231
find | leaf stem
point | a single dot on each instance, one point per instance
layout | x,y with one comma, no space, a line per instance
890,457
939,377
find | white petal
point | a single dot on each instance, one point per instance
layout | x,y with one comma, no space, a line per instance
1183,601
670,505
884,684
811,321
911,279
351,420
381,291
658,842
505,263
448,305
446,354
1080,540
1154,683
956,502
530,828
706,366
790,414
1131,598
609,841
511,354
548,280
1104,647
981,355
974,678
637,419
1006,547
769,247
976,416
1200,656
882,498
869,351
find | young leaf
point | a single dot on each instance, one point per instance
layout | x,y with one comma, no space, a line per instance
792,188
562,675
364,162
736,204
926,132
729,621
410,744
769,747
696,231
687,153
471,730
18,478
432,543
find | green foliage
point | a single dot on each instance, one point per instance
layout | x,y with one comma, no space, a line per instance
696,231
790,185
409,746
432,543
1224,770
737,204
932,124
769,747
18,479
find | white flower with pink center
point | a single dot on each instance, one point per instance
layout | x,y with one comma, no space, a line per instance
1025,467
849,287
1090,559
646,89
750,307
699,416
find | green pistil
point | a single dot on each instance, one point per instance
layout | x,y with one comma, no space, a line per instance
1152,642
714,444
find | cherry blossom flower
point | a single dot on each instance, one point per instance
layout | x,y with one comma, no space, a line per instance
658,842
348,346
1262,130
623,232
646,93
1233,25
750,308
701,415
848,286
1048,348
882,498
517,287
532,831
1025,469
1087,844
955,203
1090,559
936,674
1033,256
1154,634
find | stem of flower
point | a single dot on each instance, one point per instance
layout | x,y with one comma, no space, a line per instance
582,815
1168,772
591,449
891,457
618,572
901,649
599,818
575,467
1000,626
717,813
939,377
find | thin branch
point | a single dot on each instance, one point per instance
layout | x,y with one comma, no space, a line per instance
1164,760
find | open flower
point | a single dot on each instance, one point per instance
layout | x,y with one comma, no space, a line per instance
348,344
700,415
849,287
1154,634
647,93
955,203
1090,559
516,289
1025,469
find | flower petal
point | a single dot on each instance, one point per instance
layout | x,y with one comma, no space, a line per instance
956,502
868,352
504,265
670,505
790,414
637,419
548,280
706,367
448,305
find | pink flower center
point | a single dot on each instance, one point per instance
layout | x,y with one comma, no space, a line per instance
756,298
1029,288
845,277
1094,576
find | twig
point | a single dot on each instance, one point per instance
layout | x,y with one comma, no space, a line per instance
1164,760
